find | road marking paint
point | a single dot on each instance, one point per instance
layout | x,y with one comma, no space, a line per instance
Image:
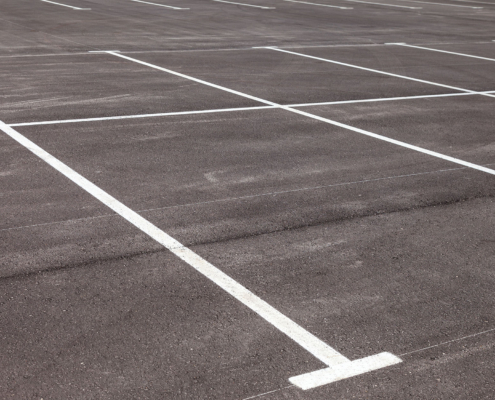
247,5
378,71
305,339
65,5
443,51
477,2
332,374
316,4
220,110
426,96
103,51
68,121
387,5
160,5
439,4
326,120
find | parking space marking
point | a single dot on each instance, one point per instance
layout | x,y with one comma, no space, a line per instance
316,117
221,110
305,339
379,72
68,121
439,4
247,5
323,5
160,5
65,5
442,51
386,5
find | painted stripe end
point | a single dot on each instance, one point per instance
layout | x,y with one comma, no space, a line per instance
342,371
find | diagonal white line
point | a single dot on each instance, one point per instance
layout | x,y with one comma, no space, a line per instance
326,120
65,5
308,341
247,5
442,51
378,71
323,5
160,5
386,5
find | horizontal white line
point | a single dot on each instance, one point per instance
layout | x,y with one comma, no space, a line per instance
103,51
379,71
68,121
311,343
325,376
426,96
160,5
443,51
323,5
439,4
387,5
220,110
65,5
247,5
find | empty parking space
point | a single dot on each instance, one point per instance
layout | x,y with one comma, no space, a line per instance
246,200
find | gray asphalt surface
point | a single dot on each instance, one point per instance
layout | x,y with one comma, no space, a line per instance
369,245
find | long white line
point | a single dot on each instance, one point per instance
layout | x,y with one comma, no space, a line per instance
386,5
65,5
380,72
440,4
323,5
316,117
160,5
68,121
221,110
308,341
247,5
443,51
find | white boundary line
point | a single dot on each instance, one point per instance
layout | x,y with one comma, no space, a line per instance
308,341
68,121
386,5
442,51
220,110
160,5
247,5
65,5
379,72
440,4
323,5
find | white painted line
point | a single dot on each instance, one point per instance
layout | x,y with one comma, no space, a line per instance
316,4
386,5
379,72
65,5
443,51
476,2
331,374
69,121
103,51
426,96
221,110
326,120
439,4
247,5
160,5
308,341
